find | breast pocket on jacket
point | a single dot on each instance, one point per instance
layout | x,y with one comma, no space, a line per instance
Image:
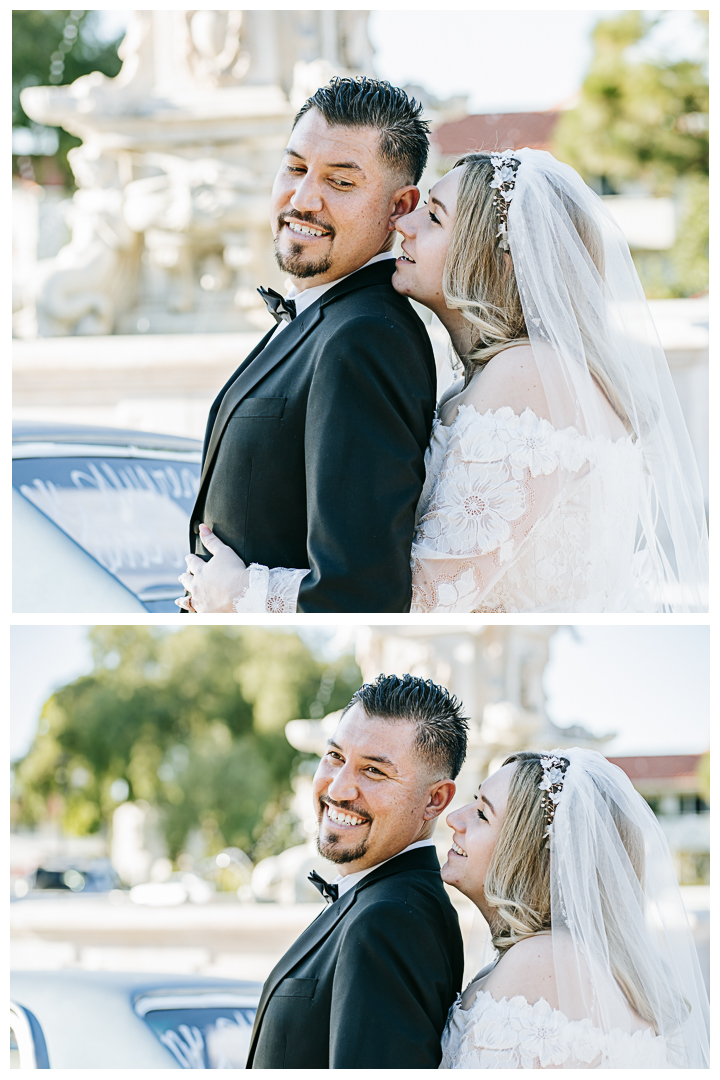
296,988
260,408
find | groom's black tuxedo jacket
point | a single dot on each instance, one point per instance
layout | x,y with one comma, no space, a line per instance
368,985
314,450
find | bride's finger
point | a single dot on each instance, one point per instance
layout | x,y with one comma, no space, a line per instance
188,581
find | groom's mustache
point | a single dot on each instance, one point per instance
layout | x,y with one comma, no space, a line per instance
345,807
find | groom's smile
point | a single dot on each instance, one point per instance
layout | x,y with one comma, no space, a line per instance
345,817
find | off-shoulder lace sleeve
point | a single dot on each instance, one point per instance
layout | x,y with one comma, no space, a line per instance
270,590
512,1034
500,472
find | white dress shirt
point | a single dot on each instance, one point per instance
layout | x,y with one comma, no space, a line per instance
345,882
306,297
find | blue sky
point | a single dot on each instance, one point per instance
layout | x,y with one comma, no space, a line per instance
647,683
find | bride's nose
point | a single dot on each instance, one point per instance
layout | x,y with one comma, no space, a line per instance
407,225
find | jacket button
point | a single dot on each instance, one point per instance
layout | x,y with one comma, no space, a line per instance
196,527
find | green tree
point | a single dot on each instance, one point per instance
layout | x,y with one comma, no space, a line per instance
645,122
636,120
54,48
192,721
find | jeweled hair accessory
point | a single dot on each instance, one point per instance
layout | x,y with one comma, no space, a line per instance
554,769
505,167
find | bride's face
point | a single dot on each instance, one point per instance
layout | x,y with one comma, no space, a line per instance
476,828
426,237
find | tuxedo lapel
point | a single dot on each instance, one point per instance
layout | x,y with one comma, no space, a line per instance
219,396
250,374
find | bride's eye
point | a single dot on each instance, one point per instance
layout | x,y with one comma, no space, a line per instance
481,815
432,216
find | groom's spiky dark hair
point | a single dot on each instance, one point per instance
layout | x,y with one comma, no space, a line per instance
363,102
441,729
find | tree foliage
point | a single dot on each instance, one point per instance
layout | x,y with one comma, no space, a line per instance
56,47
644,123
636,120
193,721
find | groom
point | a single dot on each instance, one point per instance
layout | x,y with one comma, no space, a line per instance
368,985
314,449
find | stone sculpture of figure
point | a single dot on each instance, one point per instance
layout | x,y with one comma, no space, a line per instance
215,52
90,281
183,212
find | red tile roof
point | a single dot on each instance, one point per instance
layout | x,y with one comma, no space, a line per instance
658,766
496,131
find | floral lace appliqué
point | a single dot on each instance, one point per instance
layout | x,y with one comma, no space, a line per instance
512,1034
518,516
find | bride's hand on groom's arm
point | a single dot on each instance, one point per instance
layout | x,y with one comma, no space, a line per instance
213,585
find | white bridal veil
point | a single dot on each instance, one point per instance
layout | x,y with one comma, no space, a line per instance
622,944
590,325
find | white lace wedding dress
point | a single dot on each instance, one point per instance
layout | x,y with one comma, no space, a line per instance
511,1034
504,522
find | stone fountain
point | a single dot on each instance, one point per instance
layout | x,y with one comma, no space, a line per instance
170,230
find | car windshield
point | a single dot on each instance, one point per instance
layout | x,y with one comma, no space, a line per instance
205,1037
129,513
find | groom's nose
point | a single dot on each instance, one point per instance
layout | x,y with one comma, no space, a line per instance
344,786
306,198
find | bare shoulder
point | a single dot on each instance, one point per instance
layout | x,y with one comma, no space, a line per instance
528,970
510,378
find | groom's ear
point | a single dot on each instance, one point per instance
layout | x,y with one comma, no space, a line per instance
440,796
404,200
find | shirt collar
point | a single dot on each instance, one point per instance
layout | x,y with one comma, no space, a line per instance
307,297
345,882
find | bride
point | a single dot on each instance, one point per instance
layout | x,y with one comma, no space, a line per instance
560,475
596,967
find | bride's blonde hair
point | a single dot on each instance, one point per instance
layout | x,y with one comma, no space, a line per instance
479,279
517,883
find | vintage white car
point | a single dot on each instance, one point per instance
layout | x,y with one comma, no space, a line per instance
100,518
73,1019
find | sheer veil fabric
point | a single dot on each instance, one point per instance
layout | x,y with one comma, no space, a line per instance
623,950
589,325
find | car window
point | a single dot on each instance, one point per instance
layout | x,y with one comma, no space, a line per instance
130,514
205,1038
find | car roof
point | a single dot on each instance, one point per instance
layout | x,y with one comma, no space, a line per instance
35,431
88,1017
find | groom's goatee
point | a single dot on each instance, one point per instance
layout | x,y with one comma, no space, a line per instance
329,850
292,263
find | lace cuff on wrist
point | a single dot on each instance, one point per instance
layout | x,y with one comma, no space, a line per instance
270,590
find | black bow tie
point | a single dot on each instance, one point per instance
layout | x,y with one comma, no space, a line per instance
282,310
330,892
